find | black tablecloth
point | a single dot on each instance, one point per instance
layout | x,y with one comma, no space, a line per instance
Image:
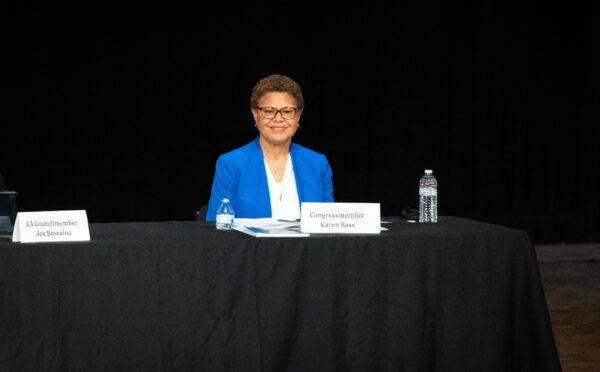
459,295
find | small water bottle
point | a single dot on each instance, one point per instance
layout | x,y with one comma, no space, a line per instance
225,215
428,197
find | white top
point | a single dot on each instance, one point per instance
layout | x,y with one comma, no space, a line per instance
284,195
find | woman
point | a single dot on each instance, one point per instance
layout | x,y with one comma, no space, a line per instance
271,176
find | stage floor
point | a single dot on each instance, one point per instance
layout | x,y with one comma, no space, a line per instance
571,276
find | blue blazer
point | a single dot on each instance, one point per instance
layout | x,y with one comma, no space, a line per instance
241,177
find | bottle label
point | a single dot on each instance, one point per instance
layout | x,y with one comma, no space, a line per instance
428,191
225,218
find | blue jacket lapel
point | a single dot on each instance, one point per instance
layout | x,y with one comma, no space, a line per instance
259,178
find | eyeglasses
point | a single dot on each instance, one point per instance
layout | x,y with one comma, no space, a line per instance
287,113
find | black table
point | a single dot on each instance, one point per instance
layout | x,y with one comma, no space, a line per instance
459,295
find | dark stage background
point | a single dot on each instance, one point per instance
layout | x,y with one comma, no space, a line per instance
123,113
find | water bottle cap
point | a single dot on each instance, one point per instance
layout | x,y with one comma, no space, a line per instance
428,172
225,200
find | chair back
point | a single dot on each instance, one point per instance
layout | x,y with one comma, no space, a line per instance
201,214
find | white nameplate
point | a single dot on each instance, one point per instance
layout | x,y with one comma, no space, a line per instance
55,226
341,218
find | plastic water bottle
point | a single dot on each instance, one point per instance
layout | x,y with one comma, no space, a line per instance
225,215
428,197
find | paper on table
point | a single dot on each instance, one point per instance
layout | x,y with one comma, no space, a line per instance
265,222
260,232
271,227
268,228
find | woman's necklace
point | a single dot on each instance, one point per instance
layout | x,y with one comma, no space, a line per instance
276,167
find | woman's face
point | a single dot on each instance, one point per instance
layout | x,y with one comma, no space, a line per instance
277,117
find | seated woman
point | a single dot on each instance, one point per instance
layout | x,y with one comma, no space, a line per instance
271,176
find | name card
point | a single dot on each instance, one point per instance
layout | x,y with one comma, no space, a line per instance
341,218
55,226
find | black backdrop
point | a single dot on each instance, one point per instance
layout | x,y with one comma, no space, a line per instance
123,112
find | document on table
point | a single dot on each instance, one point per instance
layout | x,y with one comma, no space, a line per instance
271,228
268,228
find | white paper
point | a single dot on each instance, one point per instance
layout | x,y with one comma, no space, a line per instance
341,218
266,222
268,228
51,226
